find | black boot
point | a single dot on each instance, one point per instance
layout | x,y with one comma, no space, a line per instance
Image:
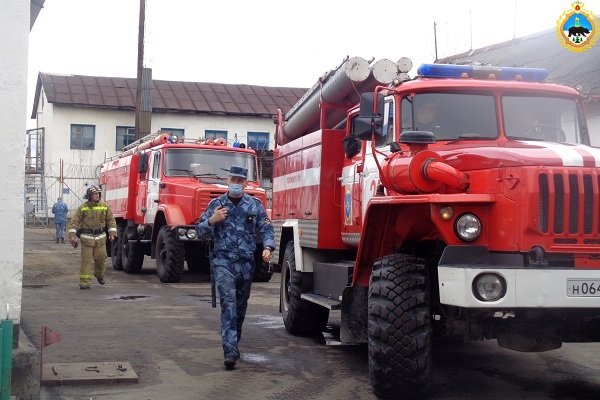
62,240
56,240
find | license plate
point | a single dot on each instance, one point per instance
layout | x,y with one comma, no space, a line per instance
583,287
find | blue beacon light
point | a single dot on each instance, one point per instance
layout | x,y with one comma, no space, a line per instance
501,73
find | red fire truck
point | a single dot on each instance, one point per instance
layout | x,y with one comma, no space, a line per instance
462,203
157,189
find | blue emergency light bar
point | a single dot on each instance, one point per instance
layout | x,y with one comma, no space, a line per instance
482,72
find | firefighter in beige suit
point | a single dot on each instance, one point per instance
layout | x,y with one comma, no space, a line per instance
90,222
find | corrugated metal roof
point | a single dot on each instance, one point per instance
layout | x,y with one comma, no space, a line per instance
167,96
541,50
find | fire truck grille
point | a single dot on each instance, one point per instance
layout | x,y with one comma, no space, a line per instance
562,199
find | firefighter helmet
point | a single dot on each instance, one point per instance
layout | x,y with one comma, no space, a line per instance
91,190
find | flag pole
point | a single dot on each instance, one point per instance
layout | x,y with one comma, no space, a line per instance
43,341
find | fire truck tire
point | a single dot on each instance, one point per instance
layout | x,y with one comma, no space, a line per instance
300,317
170,256
115,250
132,257
262,270
399,327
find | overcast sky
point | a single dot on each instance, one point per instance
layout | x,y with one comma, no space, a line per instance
268,42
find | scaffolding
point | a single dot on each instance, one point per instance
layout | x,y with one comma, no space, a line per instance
36,200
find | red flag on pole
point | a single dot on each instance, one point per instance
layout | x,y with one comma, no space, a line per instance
49,336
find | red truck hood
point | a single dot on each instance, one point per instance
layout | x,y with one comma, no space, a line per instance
474,156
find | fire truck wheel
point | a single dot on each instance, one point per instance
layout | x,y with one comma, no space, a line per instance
132,257
115,250
262,270
399,330
300,317
170,256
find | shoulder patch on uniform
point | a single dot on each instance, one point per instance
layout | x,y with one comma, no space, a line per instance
267,221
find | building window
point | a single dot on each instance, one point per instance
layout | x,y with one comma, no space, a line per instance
83,137
258,140
213,134
180,133
125,136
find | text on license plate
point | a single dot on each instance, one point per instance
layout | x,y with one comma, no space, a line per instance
583,287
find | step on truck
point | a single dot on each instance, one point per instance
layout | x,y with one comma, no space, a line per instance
157,189
463,203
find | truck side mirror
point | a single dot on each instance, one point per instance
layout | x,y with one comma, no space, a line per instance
366,105
143,163
369,121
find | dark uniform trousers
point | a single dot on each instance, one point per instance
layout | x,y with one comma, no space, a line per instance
233,281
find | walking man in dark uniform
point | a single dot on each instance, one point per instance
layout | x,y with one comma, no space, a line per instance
233,220
91,220
60,211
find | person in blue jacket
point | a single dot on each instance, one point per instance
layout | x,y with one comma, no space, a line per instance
234,220
60,211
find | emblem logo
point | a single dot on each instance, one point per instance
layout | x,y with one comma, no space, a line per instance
577,29
348,205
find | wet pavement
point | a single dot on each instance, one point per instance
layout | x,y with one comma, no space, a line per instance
169,334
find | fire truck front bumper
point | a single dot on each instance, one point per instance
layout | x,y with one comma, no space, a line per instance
501,281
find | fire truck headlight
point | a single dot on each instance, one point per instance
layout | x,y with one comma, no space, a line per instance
191,234
489,287
468,227
181,233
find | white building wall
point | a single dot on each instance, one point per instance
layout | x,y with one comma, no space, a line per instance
14,41
56,121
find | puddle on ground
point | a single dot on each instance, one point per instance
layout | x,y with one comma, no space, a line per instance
205,298
128,298
266,321
254,357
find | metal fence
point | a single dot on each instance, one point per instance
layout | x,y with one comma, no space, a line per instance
69,181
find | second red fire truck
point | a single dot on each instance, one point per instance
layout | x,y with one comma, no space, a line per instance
158,188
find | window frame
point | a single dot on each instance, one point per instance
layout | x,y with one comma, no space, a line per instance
80,146
179,132
127,128
218,134
267,135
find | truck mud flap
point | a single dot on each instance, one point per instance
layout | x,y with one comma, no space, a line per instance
354,324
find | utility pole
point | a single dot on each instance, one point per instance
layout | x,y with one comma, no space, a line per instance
143,100
470,29
435,39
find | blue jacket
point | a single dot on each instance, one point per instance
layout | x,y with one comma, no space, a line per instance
235,237
60,211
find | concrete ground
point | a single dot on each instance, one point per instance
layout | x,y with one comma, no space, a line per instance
169,334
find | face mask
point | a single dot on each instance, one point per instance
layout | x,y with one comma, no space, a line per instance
236,189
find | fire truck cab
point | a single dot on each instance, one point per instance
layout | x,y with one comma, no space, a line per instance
461,203
158,188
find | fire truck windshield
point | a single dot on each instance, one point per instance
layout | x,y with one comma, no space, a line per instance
549,119
450,116
207,164
459,116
